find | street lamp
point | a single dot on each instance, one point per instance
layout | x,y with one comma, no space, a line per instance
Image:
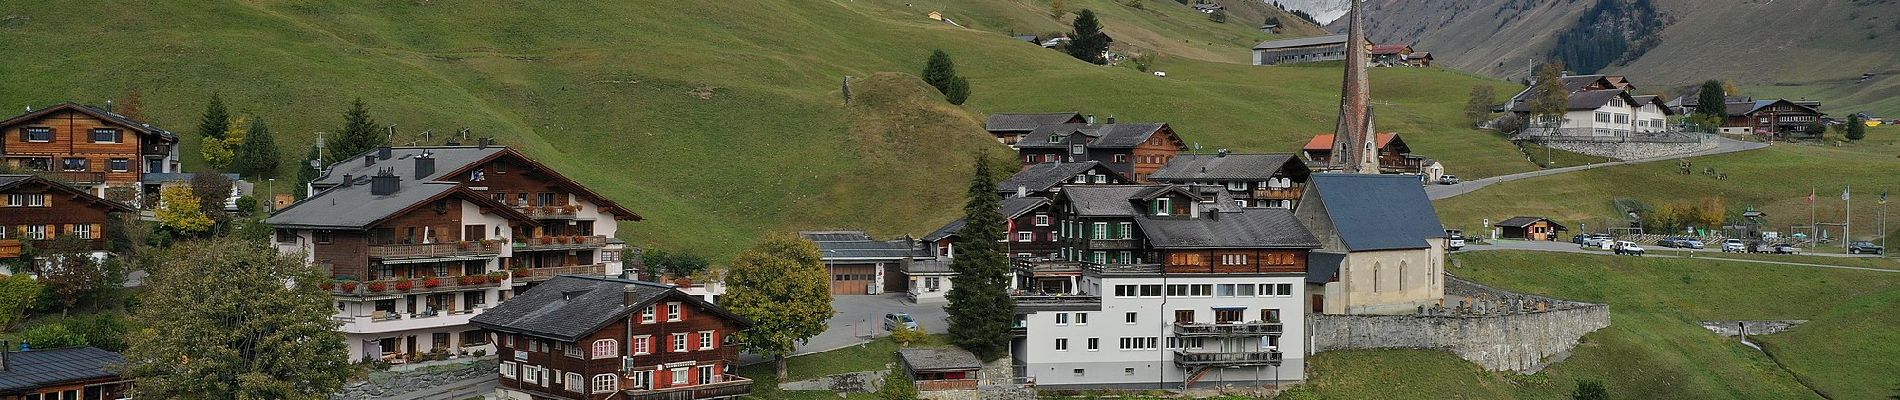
270,193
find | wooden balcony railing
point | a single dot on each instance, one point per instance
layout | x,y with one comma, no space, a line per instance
434,250
1233,359
416,285
523,275
74,177
1255,328
1277,194
9,248
727,387
549,212
561,243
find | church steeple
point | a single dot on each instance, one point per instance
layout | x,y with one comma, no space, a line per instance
1354,149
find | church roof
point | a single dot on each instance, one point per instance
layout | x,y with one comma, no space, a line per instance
1324,141
1378,212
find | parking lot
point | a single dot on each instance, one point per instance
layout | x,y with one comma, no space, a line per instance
858,319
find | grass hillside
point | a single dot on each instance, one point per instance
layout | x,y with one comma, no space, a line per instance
718,121
1653,347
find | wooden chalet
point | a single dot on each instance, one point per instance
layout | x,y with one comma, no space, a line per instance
88,147
1181,228
1253,180
63,373
1529,228
1773,119
1045,179
1387,55
35,209
598,338
1395,157
1132,150
1010,127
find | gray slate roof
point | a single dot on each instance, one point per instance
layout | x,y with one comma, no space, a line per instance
939,359
835,236
868,249
1322,266
402,159
1011,208
1243,228
353,207
1105,200
1231,167
42,368
1100,135
10,180
1378,212
1025,122
1301,42
569,307
1044,176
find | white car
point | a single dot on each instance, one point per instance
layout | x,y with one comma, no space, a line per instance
1734,246
1625,247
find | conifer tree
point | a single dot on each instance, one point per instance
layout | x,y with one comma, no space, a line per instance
1088,43
215,121
980,309
1855,129
959,91
360,134
1711,103
257,156
939,72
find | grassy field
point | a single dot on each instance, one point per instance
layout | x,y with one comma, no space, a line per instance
876,355
718,121
1653,349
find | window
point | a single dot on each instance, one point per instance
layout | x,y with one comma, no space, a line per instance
1616,102
1079,372
1062,344
1101,231
74,164
606,348
1286,289
1127,230
932,283
37,134
26,200
1602,117
646,315
706,374
1184,316
36,232
1128,318
575,383
508,369
1244,290
679,342
1025,236
1050,158
1622,118
573,351
641,345
673,311
1139,343
1237,186
1062,318
680,376
1270,315
605,383
1121,158
120,165
105,135
1185,343
1076,149
705,340
530,373
1095,344
1162,207
83,231
1224,290
1042,220
1099,257
1081,318
1233,259
641,379
1055,236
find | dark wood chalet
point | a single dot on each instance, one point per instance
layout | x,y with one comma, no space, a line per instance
1529,228
59,374
1132,150
1394,156
89,147
587,337
1252,180
1184,228
34,209
1774,119
1010,127
1029,232
1045,179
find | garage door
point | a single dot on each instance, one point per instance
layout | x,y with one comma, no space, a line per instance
852,279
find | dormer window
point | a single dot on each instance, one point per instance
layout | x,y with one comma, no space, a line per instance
1076,149
1163,206
1057,138
1237,186
1101,178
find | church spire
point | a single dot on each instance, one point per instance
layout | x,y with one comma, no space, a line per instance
1354,150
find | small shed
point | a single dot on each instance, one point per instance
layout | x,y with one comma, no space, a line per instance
941,368
1529,228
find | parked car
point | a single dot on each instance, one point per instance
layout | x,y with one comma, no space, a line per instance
1454,239
1786,249
1668,242
1593,240
1865,248
1448,180
1734,246
1625,247
1690,243
894,320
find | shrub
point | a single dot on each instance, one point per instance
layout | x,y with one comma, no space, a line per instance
897,386
51,335
102,330
17,292
1590,390
904,336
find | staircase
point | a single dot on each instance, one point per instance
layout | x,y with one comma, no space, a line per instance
1195,377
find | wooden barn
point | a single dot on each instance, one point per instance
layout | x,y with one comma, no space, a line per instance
1529,228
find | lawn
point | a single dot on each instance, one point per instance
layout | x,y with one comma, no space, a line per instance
878,354
1653,349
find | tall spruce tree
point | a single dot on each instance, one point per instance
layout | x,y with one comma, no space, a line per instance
360,133
257,156
215,121
264,333
959,91
980,309
939,72
1088,42
1711,103
1855,129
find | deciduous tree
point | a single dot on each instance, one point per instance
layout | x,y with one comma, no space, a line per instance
980,308
69,271
360,133
131,105
256,157
220,152
178,210
1478,107
675,264
212,190
17,292
1087,42
1552,98
780,285
228,319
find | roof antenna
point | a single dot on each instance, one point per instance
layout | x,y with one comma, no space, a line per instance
464,134
108,106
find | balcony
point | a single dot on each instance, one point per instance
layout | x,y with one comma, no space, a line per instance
394,287
1240,329
561,243
1034,303
9,248
525,275
1277,194
549,212
1220,360
485,248
383,322
727,387
78,178
1114,244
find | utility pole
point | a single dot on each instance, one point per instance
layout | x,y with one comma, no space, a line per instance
1847,226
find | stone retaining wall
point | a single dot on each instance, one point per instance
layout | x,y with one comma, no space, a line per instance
1632,150
1517,337
387,384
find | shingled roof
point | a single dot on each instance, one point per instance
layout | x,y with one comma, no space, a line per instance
1011,208
37,369
939,359
1378,212
1045,176
1025,122
855,245
1105,200
570,307
451,162
12,181
1100,135
100,113
1240,228
356,207
1229,167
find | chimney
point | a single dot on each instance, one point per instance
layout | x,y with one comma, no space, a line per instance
346,180
369,160
1213,214
425,165
384,183
383,152
1022,191
1089,118
633,295
1111,119
482,143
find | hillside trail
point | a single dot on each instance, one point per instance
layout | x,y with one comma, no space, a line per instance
1722,146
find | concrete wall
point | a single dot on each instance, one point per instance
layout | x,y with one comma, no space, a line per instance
1498,339
1632,151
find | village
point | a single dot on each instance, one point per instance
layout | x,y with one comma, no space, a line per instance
1103,256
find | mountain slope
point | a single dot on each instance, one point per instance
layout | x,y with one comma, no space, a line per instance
718,121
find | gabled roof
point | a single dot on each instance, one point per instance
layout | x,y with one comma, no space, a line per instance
37,369
1302,42
939,359
452,162
1741,109
354,207
1378,212
835,236
1322,267
1045,176
1011,208
1594,99
570,307
100,113
1024,122
1238,228
1324,141
1100,135
1230,167
8,182
1520,222
1105,200
1383,49
855,245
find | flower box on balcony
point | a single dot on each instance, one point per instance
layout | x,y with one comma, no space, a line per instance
378,286
431,282
469,245
521,273
547,240
327,285
405,284
497,277
349,286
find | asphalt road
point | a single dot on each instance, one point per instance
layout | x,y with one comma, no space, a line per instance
1723,145
1567,247
859,319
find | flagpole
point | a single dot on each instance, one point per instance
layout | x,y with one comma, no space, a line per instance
1813,237
1847,226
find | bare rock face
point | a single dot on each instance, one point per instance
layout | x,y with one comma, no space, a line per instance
1324,11
1735,328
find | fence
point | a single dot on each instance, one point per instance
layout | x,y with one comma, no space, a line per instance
1590,135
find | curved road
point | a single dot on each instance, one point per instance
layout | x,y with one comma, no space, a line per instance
1722,145
1567,247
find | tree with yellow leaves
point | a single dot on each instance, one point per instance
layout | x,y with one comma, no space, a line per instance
178,210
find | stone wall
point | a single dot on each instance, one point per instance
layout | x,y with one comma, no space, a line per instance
1499,330
385,384
1632,150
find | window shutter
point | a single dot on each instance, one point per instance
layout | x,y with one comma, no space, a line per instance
97,233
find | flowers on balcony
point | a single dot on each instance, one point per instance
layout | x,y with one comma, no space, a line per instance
466,280
348,286
326,285
431,282
547,240
378,286
497,277
521,273
469,245
405,284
